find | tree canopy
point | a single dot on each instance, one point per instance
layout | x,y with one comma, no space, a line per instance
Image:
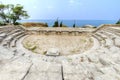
11,13
56,23
118,22
61,24
74,25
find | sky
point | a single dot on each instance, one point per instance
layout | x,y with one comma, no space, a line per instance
70,9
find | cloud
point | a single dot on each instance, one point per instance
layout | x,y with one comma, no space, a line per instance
75,2
71,1
12,1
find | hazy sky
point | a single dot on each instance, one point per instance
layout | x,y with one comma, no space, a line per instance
70,9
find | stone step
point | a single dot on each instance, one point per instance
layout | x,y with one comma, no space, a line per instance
108,40
14,31
115,38
15,69
13,42
2,36
111,31
6,28
109,73
93,57
100,39
81,71
115,30
108,34
44,71
5,53
6,42
7,32
96,43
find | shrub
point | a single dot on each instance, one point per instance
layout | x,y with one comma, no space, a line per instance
30,46
61,24
2,24
17,23
56,23
118,22
31,24
46,25
74,25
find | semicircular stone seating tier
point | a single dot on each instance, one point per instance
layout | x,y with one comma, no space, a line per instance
101,62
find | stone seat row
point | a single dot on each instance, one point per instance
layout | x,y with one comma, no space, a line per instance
11,35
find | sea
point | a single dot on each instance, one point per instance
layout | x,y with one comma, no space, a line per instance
78,23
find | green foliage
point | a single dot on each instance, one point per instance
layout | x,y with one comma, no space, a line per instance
56,23
30,46
61,24
2,13
34,24
44,53
18,13
46,24
118,22
94,27
11,13
17,23
74,25
2,23
2,6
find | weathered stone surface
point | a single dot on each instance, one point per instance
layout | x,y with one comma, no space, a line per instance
53,52
5,54
88,26
101,62
15,69
44,71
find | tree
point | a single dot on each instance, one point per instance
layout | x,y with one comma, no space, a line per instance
2,12
61,24
5,11
18,13
74,24
56,23
46,24
118,22
11,13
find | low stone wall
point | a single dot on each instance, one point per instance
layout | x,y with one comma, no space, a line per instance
45,32
57,31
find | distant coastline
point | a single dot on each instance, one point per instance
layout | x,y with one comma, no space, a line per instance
78,23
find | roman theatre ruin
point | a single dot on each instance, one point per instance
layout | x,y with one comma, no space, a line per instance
60,53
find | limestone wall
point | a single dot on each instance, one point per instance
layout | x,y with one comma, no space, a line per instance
45,32
106,25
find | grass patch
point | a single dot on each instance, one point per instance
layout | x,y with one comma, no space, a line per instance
29,46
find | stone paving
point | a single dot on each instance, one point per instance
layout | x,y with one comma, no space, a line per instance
101,62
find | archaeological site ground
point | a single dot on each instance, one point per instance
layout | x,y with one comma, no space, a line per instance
60,53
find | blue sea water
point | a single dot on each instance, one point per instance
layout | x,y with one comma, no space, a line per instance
78,23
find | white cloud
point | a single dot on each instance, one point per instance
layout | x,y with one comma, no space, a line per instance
71,1
11,1
75,2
